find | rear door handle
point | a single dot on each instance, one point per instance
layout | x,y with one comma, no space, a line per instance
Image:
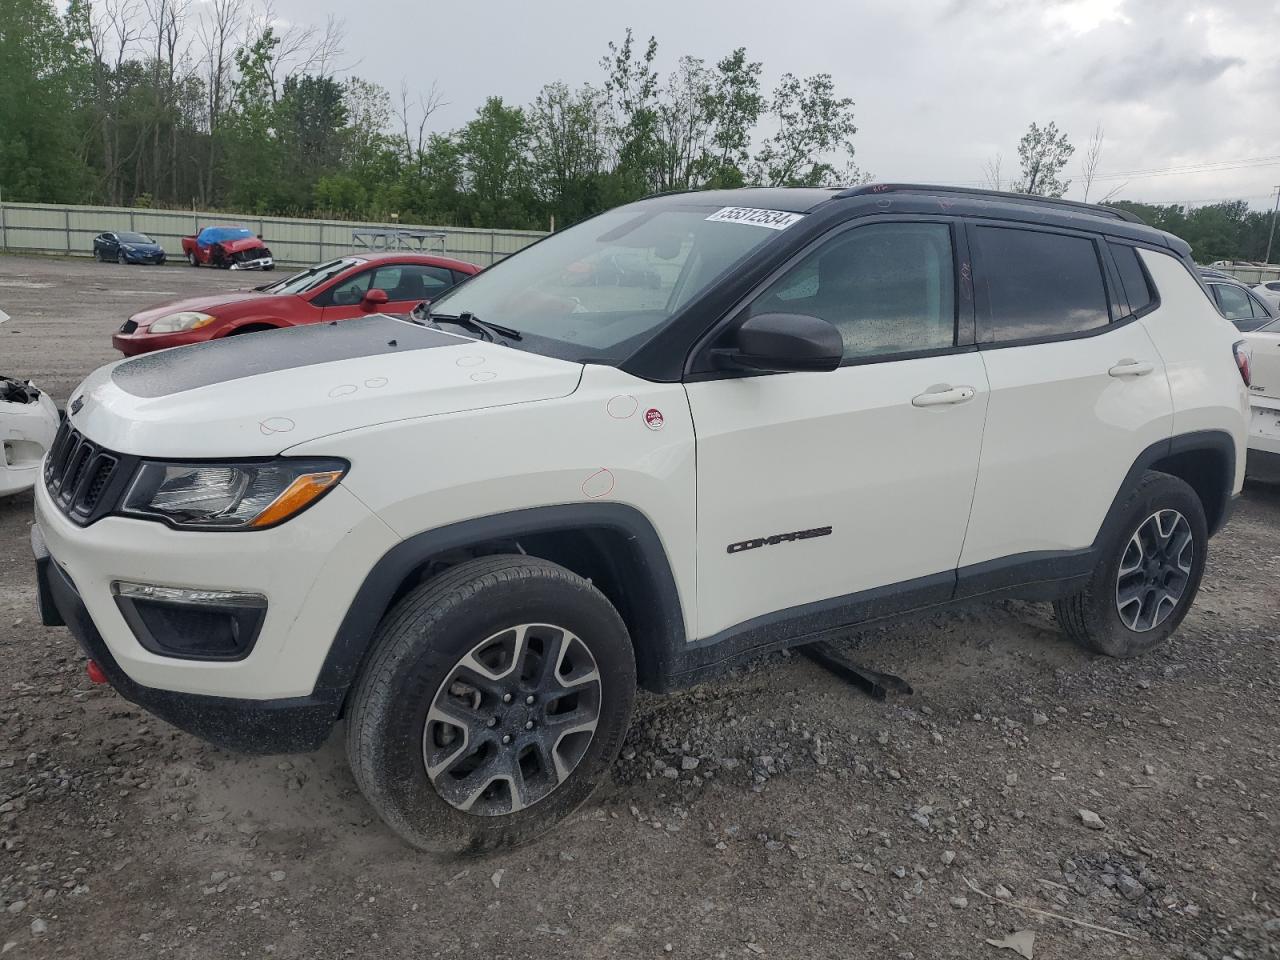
942,394
1131,368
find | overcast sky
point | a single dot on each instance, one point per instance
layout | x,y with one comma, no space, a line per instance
940,86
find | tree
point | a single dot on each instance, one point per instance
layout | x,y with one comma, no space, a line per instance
1043,152
993,179
39,156
494,149
736,107
567,143
1089,165
1216,231
815,131
631,91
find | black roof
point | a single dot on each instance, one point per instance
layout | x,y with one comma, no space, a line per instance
1097,210
790,199
926,198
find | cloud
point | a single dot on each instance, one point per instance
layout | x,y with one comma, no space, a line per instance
1154,71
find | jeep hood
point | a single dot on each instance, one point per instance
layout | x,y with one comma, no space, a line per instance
260,394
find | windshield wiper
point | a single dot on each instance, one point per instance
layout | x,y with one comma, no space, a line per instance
490,331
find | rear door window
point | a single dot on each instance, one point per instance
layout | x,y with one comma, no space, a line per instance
1032,284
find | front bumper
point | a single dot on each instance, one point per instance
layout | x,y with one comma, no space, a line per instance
276,697
26,432
285,725
132,344
260,263
137,256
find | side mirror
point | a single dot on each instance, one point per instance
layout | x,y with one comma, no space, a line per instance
374,298
782,342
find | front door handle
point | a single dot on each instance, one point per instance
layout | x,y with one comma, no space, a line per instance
1131,368
941,394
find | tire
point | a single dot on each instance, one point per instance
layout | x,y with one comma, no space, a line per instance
487,612
97,254
121,259
1159,523
191,258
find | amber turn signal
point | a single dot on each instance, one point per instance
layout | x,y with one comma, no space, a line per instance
299,494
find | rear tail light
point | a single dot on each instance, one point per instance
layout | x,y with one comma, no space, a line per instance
1241,349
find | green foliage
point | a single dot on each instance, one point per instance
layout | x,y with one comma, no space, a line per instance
99,106
1219,231
1043,153
41,85
813,124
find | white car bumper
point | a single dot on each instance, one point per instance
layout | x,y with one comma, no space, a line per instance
306,595
26,431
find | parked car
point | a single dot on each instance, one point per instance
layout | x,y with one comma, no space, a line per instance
231,248
127,247
336,290
1264,401
474,535
1237,302
28,422
1270,292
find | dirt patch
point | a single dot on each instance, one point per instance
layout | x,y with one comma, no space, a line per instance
774,812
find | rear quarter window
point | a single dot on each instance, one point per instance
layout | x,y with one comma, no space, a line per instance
1133,277
1032,284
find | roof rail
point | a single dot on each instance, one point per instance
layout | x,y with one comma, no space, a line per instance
1092,208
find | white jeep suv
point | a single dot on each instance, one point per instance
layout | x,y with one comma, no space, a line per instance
683,433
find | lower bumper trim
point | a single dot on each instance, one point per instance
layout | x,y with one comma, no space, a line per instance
285,725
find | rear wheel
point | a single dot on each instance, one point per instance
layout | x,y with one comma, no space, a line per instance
120,258
191,258
1149,575
496,698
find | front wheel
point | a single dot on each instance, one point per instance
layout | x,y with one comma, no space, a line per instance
121,259
1149,574
496,698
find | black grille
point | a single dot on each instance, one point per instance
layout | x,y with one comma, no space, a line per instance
78,472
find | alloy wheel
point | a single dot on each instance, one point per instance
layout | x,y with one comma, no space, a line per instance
512,719
1154,570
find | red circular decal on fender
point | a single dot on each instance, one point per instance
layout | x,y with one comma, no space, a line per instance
653,418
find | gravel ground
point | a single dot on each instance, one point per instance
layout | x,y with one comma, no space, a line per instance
774,812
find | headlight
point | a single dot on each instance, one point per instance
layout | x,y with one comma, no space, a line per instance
178,322
230,496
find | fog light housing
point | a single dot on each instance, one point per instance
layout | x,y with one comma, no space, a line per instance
191,624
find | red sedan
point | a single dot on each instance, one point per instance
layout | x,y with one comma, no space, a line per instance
338,290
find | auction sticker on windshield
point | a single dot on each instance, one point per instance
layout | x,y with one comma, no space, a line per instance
773,219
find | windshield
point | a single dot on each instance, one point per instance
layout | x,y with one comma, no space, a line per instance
134,238
598,290
311,278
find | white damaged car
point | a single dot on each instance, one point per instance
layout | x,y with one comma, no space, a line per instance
28,423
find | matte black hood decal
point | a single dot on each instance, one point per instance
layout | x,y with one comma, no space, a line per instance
232,358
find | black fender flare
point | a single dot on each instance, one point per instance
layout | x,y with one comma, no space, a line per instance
1218,442
649,562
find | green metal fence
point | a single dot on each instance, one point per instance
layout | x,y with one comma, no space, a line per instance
58,229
